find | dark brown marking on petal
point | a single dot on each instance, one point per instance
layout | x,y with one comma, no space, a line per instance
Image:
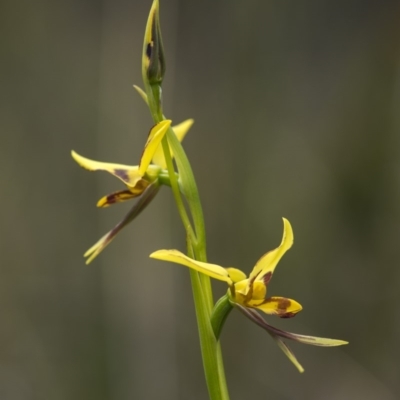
283,304
149,50
250,293
122,173
288,315
267,277
119,196
111,198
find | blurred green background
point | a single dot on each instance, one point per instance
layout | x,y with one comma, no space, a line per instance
297,115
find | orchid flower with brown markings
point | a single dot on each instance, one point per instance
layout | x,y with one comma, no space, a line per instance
142,181
248,294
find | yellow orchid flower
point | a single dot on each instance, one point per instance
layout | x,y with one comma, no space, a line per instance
141,180
249,293
246,291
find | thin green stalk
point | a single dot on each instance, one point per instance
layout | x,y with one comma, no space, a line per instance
196,238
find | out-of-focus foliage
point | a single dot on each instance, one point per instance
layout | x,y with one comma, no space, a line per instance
297,115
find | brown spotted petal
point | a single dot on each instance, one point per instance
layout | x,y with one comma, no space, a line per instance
280,306
116,197
141,204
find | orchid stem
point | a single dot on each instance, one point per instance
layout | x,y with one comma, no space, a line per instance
196,243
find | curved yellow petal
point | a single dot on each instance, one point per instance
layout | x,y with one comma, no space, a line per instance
175,256
126,173
182,129
180,132
265,266
280,306
155,136
236,274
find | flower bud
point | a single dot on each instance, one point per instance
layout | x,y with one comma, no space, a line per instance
153,63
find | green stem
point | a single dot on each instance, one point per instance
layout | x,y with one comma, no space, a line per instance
196,240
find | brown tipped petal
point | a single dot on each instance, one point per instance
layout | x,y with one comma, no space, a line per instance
116,197
142,203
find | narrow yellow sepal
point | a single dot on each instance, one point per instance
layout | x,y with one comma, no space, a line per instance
175,256
126,173
285,348
269,261
155,136
180,131
318,341
97,248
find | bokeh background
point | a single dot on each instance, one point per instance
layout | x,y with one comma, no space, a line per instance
297,114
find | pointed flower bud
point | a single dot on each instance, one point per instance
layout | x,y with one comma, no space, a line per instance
153,62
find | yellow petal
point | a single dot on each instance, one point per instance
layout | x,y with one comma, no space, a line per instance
236,274
180,132
280,306
265,266
182,129
126,173
118,197
155,136
175,256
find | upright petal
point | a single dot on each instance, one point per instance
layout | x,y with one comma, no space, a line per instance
280,306
175,256
142,203
126,173
265,266
155,136
180,131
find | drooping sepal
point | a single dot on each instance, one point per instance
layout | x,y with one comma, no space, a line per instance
143,201
279,334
